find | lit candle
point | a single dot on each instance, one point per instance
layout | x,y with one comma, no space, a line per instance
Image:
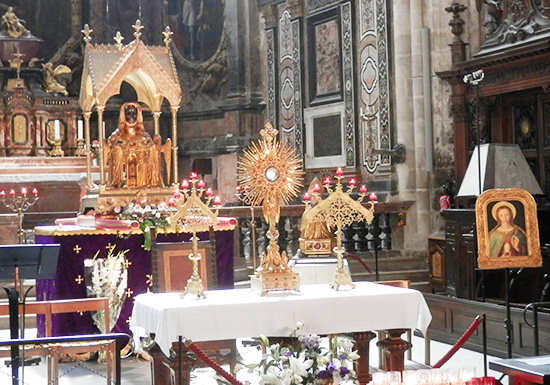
339,171
327,180
12,192
201,184
171,201
24,191
177,194
104,129
246,188
80,129
373,197
306,197
209,192
352,182
193,175
238,189
217,201
35,192
56,134
2,194
185,184
316,188
363,189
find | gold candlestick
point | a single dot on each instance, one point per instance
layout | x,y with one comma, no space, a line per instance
80,150
19,204
57,150
337,210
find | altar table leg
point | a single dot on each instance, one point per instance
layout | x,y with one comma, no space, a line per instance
362,341
166,370
393,350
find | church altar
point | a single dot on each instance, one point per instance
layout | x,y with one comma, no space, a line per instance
76,246
241,313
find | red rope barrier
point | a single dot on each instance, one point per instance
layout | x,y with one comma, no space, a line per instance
208,361
355,257
460,342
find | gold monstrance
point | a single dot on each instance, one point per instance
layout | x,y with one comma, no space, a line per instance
193,216
337,210
270,171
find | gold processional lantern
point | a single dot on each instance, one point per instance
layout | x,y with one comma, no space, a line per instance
337,210
270,174
193,216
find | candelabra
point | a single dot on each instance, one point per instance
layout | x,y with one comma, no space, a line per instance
194,215
337,210
244,195
19,204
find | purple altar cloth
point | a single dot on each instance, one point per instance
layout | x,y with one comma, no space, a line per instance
76,248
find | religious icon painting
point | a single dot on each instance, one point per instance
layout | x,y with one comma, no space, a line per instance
507,229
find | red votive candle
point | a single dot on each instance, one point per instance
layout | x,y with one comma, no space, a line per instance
171,201
327,180
192,175
217,201
201,184
185,184
177,194
238,189
339,171
316,188
12,192
352,182
209,192
363,189
35,192
2,194
24,191
306,197
373,197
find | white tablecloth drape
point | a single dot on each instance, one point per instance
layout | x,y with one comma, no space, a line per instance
239,313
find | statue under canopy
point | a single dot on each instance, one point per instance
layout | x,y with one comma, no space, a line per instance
132,159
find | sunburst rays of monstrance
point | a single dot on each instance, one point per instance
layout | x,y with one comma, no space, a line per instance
271,173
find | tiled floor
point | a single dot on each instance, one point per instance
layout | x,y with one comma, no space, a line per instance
136,371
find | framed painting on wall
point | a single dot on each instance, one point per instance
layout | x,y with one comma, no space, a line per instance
507,229
325,58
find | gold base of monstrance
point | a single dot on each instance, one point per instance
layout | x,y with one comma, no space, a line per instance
269,173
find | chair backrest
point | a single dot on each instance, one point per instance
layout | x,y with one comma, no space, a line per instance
81,304
404,283
32,307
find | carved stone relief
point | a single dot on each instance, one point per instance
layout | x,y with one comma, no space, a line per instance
374,86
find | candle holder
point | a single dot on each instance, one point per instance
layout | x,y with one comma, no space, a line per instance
337,210
19,204
271,172
244,195
194,215
80,149
57,150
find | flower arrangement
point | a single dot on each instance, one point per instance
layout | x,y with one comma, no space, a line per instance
107,277
94,149
148,216
308,362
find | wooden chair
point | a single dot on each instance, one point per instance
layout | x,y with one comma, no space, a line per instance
61,350
406,284
32,308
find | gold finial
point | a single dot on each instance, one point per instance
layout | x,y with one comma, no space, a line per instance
269,132
118,38
87,31
138,27
167,35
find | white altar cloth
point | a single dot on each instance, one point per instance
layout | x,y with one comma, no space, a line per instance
240,313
